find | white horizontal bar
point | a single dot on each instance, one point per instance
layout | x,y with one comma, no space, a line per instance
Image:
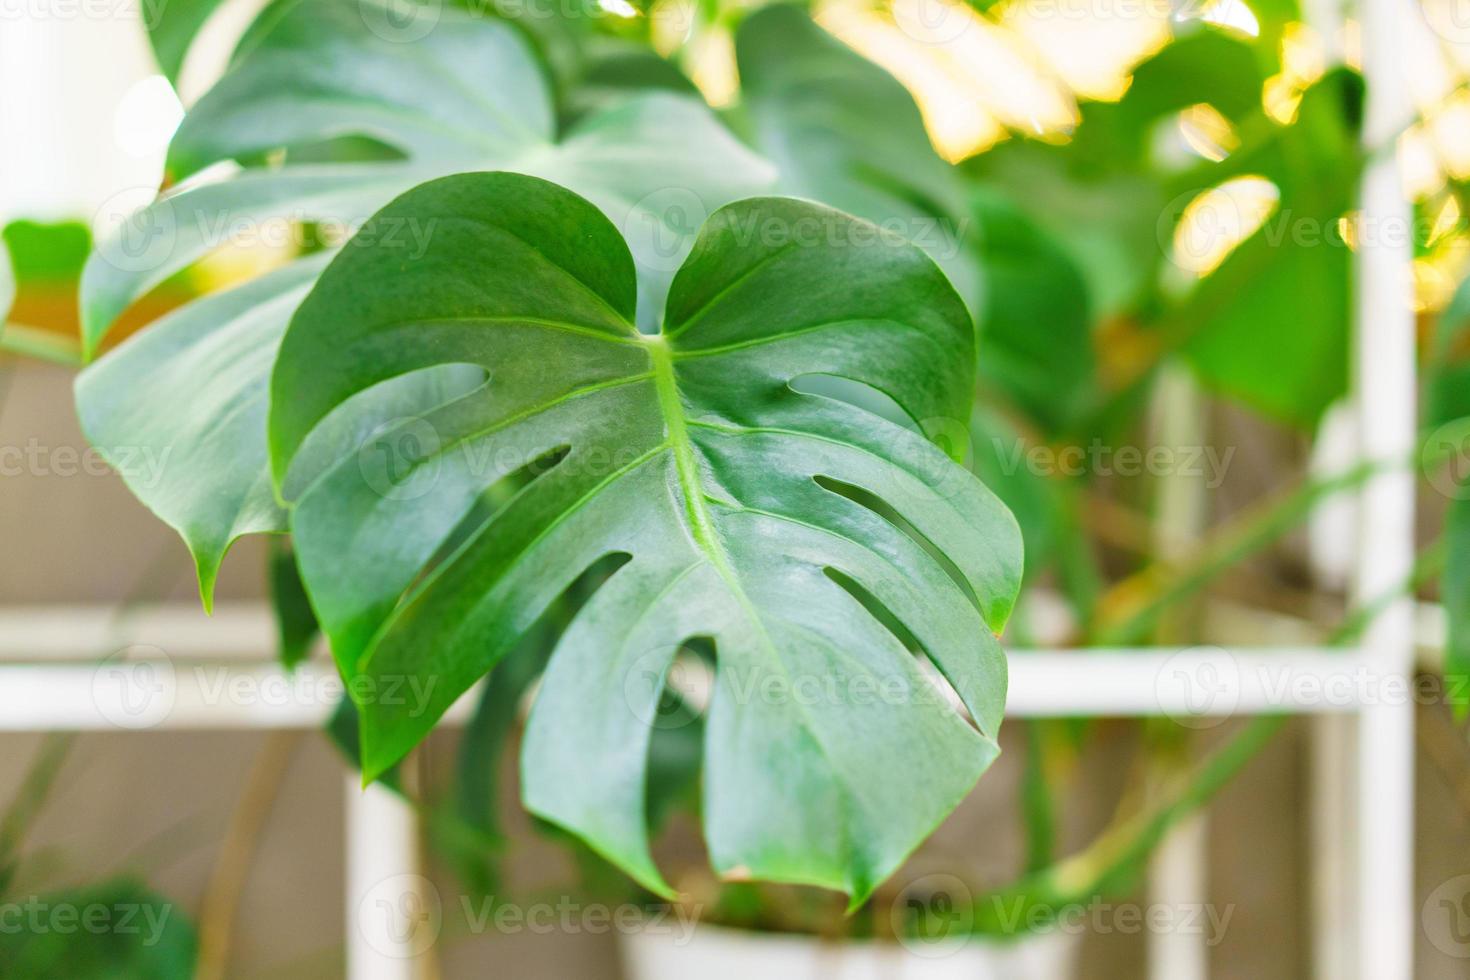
246,631
1193,686
1196,683
156,693
236,631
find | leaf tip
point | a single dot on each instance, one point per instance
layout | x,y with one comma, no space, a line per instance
207,572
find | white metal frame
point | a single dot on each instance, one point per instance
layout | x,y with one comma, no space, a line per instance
214,679
1362,781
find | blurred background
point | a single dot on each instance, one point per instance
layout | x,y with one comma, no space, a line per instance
1158,203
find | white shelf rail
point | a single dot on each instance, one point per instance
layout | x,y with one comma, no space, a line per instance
177,670
169,693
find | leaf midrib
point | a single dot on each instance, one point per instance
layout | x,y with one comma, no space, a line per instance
707,538
701,526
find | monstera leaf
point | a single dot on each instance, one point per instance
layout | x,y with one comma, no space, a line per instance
468,95
172,27
1286,288
786,527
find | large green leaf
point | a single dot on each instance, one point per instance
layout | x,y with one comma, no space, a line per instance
467,96
44,254
118,930
1000,460
1038,325
1286,289
179,411
172,26
1454,590
1447,396
748,512
1099,195
1447,413
296,627
1204,66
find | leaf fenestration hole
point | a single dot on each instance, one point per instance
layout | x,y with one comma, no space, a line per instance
494,499
676,745
866,498
858,394
875,608
546,631
344,149
885,617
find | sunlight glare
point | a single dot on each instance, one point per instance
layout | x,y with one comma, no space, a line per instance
1218,220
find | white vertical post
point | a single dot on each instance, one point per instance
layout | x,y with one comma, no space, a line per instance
1177,880
392,910
1383,363
1332,793
1333,737
1178,873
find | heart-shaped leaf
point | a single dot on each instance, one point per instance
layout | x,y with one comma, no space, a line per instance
466,95
815,544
